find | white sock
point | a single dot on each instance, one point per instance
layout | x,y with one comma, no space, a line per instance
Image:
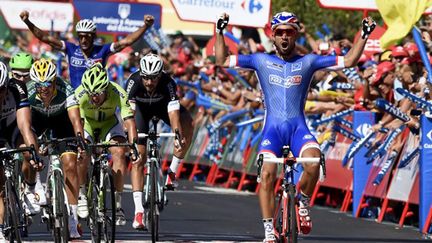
82,190
174,164
304,200
38,182
118,199
137,197
268,228
74,209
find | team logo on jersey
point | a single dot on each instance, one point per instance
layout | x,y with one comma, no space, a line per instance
77,62
296,66
307,136
285,82
266,142
274,66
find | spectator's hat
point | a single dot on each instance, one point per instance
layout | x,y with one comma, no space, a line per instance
399,51
382,69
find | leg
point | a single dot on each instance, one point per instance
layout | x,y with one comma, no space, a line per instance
137,176
311,172
267,198
119,170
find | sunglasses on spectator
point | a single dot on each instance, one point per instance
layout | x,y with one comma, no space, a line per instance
288,32
48,84
20,75
151,77
93,94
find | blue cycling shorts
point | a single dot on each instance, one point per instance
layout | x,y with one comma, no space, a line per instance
293,132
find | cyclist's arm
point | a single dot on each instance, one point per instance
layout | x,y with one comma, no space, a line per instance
75,118
134,36
41,35
352,57
222,58
131,129
24,125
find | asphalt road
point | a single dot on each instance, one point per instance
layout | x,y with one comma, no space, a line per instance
198,213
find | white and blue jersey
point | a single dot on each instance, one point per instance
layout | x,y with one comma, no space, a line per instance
285,85
78,62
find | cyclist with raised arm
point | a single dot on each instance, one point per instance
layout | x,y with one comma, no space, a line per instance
15,120
55,109
20,65
98,100
151,93
284,79
84,55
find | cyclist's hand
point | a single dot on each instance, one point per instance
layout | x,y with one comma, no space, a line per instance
222,22
36,162
179,145
135,159
43,150
24,15
148,20
368,25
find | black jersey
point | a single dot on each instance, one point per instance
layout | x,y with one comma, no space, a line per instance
15,99
155,104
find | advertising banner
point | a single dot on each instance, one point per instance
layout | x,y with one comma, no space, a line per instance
425,170
253,13
117,17
46,15
338,176
362,123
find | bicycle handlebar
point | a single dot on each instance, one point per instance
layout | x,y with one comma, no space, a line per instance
291,159
158,135
31,149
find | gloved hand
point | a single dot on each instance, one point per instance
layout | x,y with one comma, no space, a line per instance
368,25
222,22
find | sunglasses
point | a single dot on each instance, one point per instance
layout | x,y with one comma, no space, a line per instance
20,75
288,32
150,77
93,94
48,84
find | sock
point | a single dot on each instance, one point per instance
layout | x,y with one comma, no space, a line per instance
82,190
137,197
31,186
268,228
74,209
118,199
174,164
38,182
304,200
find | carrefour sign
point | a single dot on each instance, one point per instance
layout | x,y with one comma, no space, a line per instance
253,13
117,17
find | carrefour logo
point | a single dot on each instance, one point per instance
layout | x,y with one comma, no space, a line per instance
364,129
426,144
253,6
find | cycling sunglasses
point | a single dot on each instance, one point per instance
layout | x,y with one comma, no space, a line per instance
99,93
48,84
288,32
151,77
20,75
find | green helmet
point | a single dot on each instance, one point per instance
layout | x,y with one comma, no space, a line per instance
95,79
21,60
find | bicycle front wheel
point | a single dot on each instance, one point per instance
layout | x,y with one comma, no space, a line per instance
61,212
108,209
154,210
12,209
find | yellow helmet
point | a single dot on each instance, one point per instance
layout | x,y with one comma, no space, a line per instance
43,71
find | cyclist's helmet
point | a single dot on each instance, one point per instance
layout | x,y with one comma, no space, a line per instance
4,75
21,60
86,26
95,79
285,18
151,65
43,71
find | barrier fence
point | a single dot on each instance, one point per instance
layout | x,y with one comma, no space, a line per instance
374,182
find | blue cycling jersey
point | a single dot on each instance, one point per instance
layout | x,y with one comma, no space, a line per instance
285,85
78,63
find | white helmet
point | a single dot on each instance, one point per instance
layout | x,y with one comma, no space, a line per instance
151,65
4,75
43,71
85,25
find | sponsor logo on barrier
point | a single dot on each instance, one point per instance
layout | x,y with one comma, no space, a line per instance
364,129
285,82
429,136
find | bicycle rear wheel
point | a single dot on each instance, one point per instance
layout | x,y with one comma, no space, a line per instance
12,210
292,218
61,215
